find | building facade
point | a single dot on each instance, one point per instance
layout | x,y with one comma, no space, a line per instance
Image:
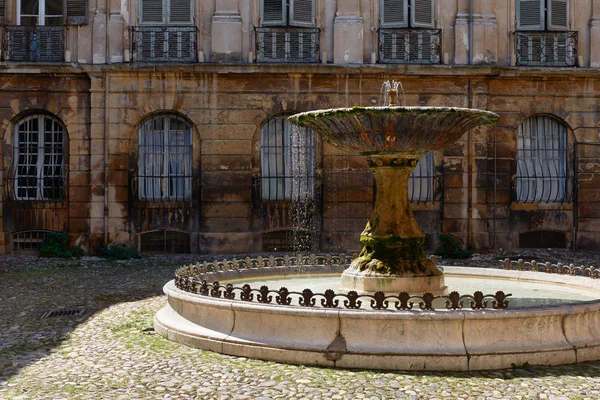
161,123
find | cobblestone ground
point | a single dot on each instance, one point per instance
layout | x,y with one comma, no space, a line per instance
111,351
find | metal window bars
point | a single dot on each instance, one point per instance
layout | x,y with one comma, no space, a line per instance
34,43
287,44
542,162
422,182
164,43
410,46
164,160
165,241
547,49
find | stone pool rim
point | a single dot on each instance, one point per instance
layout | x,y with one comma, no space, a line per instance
461,340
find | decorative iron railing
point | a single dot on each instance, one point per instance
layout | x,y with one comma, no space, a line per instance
193,279
549,268
410,46
164,43
34,43
287,45
547,49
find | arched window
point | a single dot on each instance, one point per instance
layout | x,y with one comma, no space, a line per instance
542,161
165,159
287,162
421,184
39,159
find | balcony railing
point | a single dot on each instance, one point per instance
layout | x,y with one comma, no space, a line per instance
287,45
410,46
164,43
547,49
34,43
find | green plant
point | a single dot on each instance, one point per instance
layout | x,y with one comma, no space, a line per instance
55,245
118,252
451,247
77,251
525,365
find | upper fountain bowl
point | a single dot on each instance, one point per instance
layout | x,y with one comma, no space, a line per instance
409,130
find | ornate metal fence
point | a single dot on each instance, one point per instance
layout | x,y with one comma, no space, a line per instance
287,45
34,43
410,46
548,49
164,43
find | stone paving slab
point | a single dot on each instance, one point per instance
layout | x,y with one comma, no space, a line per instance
111,351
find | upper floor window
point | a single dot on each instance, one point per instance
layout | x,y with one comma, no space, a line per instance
540,15
39,159
50,12
287,12
542,161
407,33
166,12
287,161
166,32
543,37
407,14
287,32
165,159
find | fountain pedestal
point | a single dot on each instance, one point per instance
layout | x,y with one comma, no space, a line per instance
392,259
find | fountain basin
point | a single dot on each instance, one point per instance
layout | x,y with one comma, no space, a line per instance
458,340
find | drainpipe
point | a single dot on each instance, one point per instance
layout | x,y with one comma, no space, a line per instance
470,33
106,131
470,160
108,31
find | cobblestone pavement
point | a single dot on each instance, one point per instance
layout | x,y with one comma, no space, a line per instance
111,351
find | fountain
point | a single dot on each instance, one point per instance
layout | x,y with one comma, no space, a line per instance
393,310
393,139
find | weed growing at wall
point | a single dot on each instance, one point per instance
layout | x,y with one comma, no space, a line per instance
116,252
451,247
56,245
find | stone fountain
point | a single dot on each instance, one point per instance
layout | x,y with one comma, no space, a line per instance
393,139
387,315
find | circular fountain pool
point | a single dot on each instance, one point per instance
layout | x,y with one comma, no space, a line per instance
386,331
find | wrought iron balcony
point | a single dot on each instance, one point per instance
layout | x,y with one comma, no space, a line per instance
410,46
287,45
164,43
547,49
34,43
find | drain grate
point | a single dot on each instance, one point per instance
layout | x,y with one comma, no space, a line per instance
63,312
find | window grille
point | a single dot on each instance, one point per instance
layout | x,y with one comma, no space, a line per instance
28,240
34,43
39,170
165,159
287,161
164,43
421,184
542,161
287,45
410,46
551,49
165,241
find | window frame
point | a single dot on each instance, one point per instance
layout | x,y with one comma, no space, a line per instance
531,168
423,177
285,158
159,180
41,16
58,149
545,17
288,18
409,17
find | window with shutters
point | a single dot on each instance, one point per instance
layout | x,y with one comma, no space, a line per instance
287,32
39,159
543,37
542,161
164,159
407,32
166,31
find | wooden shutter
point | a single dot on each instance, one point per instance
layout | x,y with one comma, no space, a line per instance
422,14
2,12
77,12
302,13
393,13
558,15
152,11
530,15
273,12
180,11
